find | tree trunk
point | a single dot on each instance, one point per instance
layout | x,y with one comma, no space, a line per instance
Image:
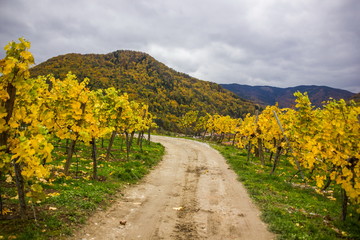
149,136
271,156
260,151
288,143
272,153
111,142
9,106
327,184
69,156
204,135
277,158
20,189
4,137
67,146
93,155
344,204
249,151
129,140
234,138
127,145
141,140
121,143
221,137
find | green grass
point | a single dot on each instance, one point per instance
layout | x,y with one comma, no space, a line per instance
76,196
293,210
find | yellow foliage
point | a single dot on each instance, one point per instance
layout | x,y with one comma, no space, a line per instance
322,140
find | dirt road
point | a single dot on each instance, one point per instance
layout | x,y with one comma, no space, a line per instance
192,194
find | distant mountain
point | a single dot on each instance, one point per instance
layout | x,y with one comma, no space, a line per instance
168,93
266,95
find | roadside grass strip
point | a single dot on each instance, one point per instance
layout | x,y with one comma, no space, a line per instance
71,199
292,208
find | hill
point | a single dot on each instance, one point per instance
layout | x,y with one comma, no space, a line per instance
168,93
356,98
266,95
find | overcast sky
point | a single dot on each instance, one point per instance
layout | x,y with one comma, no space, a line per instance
280,43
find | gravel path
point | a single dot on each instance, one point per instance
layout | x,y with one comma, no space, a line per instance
191,194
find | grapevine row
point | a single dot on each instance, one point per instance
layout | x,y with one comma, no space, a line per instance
322,142
35,111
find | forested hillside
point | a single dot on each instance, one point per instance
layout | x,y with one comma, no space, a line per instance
266,95
169,94
356,98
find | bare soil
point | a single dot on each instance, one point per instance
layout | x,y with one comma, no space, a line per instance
191,194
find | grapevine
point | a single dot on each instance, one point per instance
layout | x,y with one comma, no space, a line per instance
34,112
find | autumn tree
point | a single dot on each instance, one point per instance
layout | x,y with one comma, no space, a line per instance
24,147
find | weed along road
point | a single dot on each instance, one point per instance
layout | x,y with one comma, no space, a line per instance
191,194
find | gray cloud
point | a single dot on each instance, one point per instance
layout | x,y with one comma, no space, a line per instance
256,42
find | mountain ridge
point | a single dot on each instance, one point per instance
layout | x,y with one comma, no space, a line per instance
268,95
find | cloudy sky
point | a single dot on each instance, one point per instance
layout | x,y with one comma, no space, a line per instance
280,43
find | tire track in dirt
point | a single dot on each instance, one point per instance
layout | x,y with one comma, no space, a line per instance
185,227
191,194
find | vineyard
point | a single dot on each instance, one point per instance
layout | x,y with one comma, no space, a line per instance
322,143
44,121
39,115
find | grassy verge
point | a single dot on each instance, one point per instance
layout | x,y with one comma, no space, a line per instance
72,198
293,210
